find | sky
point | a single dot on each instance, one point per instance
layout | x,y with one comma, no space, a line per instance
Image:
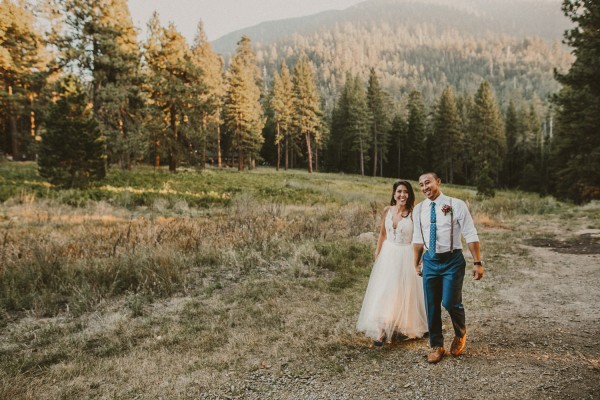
224,16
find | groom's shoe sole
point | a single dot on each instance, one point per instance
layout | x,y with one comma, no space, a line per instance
458,345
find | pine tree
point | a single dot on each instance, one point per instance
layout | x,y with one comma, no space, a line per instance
212,91
307,117
511,132
465,106
282,104
576,153
243,111
359,121
487,133
416,155
380,121
399,148
102,43
172,85
72,151
23,70
339,139
447,137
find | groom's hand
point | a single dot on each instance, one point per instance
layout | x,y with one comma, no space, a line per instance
477,272
419,269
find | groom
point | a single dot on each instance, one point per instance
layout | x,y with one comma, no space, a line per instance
439,222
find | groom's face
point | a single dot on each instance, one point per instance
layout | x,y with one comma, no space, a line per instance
430,186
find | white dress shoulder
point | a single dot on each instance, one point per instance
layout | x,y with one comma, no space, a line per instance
394,301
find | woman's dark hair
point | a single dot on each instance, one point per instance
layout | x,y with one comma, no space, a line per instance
410,202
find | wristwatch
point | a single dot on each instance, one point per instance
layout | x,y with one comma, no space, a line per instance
478,263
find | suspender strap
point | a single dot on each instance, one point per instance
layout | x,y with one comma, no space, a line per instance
451,227
420,205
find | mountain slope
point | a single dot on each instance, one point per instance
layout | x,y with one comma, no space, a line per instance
424,45
512,17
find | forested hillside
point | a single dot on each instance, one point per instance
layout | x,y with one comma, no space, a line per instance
424,45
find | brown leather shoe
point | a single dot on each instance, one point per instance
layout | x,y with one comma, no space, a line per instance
458,345
436,355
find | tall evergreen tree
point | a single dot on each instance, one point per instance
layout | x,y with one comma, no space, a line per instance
101,43
359,121
282,104
338,139
72,150
416,129
380,121
23,68
399,146
465,106
487,133
172,79
512,161
576,153
243,111
447,137
211,92
307,117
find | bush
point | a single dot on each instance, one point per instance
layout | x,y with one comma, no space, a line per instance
485,184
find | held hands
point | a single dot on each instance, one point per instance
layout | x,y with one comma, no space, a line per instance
477,272
419,269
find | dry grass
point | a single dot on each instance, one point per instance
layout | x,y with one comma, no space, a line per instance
175,301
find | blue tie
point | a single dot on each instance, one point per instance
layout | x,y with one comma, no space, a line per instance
432,230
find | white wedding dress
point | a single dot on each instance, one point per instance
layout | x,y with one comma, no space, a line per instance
394,301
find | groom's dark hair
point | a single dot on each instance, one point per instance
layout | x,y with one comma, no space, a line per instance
410,202
435,176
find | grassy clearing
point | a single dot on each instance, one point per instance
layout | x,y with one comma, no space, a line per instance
101,289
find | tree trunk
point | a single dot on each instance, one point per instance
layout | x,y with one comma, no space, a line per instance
204,137
174,139
12,120
278,147
316,157
31,116
309,152
286,154
399,155
240,160
375,149
13,137
219,146
362,159
157,155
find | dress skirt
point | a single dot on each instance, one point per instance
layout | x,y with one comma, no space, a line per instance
394,301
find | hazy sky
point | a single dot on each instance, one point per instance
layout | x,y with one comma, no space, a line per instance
223,16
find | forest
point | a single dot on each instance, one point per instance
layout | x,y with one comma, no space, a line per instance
379,96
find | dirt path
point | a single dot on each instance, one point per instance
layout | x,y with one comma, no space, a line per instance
534,332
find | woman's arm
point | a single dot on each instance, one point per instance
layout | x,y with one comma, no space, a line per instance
382,234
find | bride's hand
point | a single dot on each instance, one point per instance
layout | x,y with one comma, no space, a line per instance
419,269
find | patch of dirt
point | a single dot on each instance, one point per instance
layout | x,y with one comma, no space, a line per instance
533,333
587,243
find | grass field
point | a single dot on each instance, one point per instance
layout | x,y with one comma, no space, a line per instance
154,284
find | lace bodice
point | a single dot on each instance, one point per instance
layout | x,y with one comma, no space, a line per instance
403,232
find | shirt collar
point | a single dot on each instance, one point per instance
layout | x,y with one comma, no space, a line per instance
441,199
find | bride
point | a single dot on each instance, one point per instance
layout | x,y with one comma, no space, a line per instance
394,302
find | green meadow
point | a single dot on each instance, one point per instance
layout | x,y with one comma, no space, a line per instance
154,284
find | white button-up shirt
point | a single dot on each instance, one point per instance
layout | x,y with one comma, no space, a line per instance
463,223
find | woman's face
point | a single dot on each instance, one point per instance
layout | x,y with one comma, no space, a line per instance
401,195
